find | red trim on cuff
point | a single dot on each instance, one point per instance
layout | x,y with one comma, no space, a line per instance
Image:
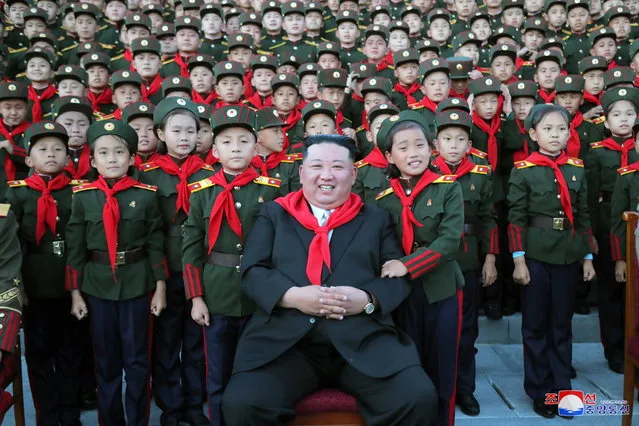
615,247
493,246
19,151
71,280
192,281
163,265
9,332
423,263
514,238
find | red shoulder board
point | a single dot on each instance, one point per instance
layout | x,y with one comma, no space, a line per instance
596,145
84,187
575,162
149,166
208,168
384,193
291,158
265,180
196,186
599,120
478,153
360,164
16,183
482,170
524,164
625,170
75,182
147,187
446,179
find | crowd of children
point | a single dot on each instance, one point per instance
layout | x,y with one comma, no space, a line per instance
140,138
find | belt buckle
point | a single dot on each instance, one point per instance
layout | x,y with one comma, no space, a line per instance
58,248
558,223
120,258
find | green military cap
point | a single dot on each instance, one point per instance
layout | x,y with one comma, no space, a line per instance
550,42
484,85
287,57
505,31
591,63
264,61
71,103
438,14
377,84
240,40
382,109
137,20
615,94
71,72
465,37
46,36
634,48
96,58
460,67
165,30
535,23
379,30
168,105
432,65
406,56
318,107
550,3
453,118
618,76
212,8
271,6
383,141
121,77
191,4
549,55
285,79
308,68
37,52
35,13
184,22
314,7
363,70
153,8
425,45
293,7
233,116
200,60
250,18
89,47
507,4
571,4
9,3
569,84
43,129
332,78
523,89
145,44
408,10
605,32
266,118
346,16
66,9
503,50
398,25
113,128
228,68
227,3
204,112
232,12
137,109
453,103
528,122
176,84
86,9
613,12
328,47
478,16
379,10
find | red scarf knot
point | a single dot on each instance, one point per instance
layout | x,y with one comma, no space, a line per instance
491,131
151,89
376,159
83,167
47,210
37,99
9,166
408,92
103,98
624,148
574,142
191,165
272,161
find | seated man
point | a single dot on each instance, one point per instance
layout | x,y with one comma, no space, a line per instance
312,264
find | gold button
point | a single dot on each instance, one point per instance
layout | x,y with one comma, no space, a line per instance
237,188
277,175
237,268
558,195
57,218
408,191
239,247
55,202
238,205
555,180
2,315
561,212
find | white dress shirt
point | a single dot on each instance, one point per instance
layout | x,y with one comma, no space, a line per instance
322,216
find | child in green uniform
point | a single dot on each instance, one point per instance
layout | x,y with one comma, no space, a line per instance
71,80
223,209
75,115
205,135
100,94
13,124
115,261
139,115
41,90
435,80
319,119
202,79
285,100
407,90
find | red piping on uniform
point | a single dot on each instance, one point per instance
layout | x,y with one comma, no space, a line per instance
451,401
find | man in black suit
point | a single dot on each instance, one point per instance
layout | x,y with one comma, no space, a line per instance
324,313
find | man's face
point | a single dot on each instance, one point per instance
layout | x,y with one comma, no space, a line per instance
327,175
147,64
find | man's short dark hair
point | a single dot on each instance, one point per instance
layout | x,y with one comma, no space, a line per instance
340,140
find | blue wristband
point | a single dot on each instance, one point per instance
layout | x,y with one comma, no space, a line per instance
588,256
517,254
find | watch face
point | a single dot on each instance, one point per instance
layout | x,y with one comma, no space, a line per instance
370,308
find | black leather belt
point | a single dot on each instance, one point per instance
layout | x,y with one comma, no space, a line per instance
121,257
52,247
224,259
605,196
470,229
547,222
175,230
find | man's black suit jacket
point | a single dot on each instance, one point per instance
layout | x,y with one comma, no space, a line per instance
275,260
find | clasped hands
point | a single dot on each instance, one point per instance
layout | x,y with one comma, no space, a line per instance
330,302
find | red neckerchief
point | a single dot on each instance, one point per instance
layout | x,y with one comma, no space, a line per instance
519,62
548,97
522,154
365,122
637,81
47,210
257,102
387,61
376,159
224,206
128,56
97,99
117,114
612,64
199,99
183,64
138,160
339,119
192,164
426,103
628,145
48,93
512,79
272,161
408,92
248,87
9,165
408,218
356,97
589,97
491,131
464,167
382,65
209,158
291,120
574,142
564,194
84,164
151,89
453,94
319,252
111,212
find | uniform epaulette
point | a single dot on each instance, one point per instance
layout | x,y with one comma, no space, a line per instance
147,187
4,210
566,32
291,158
524,164
21,75
360,128
60,38
384,193
107,46
453,21
224,43
265,180
445,179
360,164
16,183
415,107
596,145
599,120
528,63
264,52
330,30
277,45
9,28
149,166
482,170
327,17
21,49
575,162
105,117
595,28
478,153
66,49
76,182
115,58
85,187
208,168
168,61
104,27
204,183
311,43
625,170
566,38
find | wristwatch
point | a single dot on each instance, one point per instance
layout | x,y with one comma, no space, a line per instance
370,306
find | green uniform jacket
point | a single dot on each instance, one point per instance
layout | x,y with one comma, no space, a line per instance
304,50
370,181
533,191
624,198
167,194
214,48
220,286
46,108
287,171
10,284
431,131
576,47
18,155
480,142
140,226
351,55
439,208
399,99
